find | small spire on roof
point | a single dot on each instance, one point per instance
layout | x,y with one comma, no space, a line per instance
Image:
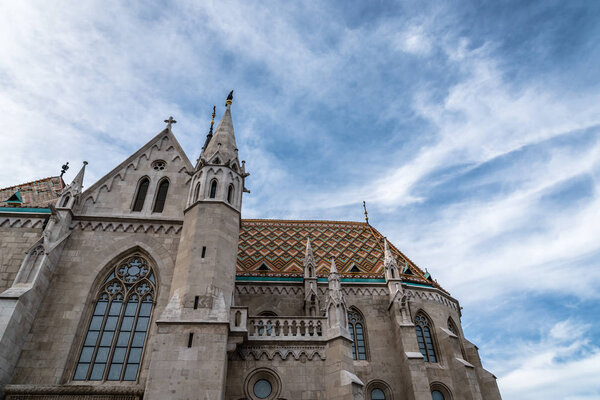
333,268
366,213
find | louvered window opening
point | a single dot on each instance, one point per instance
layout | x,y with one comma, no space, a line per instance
141,194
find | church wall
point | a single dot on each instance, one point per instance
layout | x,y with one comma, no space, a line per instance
14,242
385,361
114,195
53,344
300,379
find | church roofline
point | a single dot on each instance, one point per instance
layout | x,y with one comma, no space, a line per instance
137,154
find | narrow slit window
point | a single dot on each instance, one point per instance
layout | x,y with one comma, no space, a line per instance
213,189
161,196
203,251
230,194
140,196
197,192
190,339
196,299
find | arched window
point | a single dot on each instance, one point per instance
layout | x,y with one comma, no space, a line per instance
213,189
356,326
140,196
377,394
425,337
197,192
114,343
437,395
66,201
230,194
161,196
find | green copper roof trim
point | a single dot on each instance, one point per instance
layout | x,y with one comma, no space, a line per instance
300,279
322,280
25,210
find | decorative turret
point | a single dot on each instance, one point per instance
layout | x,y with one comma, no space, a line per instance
392,272
218,175
311,298
337,311
71,193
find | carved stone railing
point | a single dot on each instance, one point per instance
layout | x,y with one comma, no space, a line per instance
286,328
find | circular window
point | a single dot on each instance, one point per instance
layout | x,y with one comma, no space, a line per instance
262,389
159,165
262,384
377,394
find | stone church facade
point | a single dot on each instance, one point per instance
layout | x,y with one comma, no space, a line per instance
150,285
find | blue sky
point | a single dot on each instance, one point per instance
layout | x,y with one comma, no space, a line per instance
472,130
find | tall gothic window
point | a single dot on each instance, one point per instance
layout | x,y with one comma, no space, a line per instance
356,326
66,201
140,196
161,196
114,343
213,189
425,337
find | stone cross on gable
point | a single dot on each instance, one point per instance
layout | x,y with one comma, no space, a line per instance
170,121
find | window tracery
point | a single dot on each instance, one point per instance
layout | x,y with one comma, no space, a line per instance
115,338
424,327
356,327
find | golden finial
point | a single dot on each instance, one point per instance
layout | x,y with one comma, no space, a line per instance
229,99
212,121
366,213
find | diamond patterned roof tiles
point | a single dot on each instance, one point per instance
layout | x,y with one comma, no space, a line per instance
280,244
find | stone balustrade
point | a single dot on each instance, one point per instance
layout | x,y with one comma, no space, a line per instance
286,328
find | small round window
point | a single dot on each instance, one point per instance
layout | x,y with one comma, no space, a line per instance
159,165
262,389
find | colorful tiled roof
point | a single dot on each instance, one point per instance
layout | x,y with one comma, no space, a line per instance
276,248
40,193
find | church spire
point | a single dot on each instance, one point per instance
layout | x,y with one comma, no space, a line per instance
222,145
77,183
210,132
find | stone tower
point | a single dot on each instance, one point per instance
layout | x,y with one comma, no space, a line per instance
193,329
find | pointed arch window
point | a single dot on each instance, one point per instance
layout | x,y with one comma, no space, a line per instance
161,196
197,192
66,201
424,329
213,189
114,342
356,326
140,196
230,194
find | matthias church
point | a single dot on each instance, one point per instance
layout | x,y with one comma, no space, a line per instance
150,284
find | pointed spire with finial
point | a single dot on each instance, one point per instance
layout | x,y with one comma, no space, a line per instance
366,213
310,266
77,183
223,140
210,131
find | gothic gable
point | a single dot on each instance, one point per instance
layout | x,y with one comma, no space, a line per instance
160,160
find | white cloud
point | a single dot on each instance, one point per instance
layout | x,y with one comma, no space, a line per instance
561,365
